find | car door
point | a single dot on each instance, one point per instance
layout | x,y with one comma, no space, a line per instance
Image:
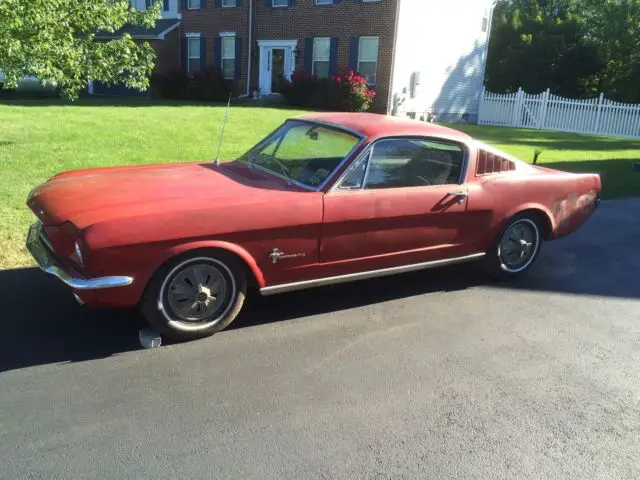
402,201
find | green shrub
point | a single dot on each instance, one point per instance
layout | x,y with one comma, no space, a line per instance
205,85
173,85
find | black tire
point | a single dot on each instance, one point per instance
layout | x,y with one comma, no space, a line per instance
158,307
495,264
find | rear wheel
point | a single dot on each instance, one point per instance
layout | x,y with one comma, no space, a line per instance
195,295
515,248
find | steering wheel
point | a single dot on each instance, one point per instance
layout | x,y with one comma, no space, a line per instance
426,182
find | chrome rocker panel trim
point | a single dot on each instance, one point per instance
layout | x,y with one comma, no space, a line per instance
290,287
47,262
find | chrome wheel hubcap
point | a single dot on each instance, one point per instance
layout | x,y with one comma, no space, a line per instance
197,292
518,245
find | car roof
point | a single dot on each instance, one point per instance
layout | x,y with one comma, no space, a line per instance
375,125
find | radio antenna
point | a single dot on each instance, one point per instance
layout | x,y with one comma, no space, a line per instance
224,123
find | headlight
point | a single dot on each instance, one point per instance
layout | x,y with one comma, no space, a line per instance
78,253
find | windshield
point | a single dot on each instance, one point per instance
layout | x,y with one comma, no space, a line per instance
301,152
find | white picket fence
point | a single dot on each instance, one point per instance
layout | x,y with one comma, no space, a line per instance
545,111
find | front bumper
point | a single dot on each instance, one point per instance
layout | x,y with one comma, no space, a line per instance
41,252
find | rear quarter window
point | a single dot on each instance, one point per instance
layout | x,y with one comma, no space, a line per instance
489,163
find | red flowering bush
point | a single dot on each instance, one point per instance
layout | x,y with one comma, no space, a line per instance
347,92
354,95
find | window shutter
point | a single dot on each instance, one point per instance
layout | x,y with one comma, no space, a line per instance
203,3
217,52
165,5
184,4
184,54
238,58
292,3
353,53
308,55
268,3
203,53
333,57
218,3
147,3
238,3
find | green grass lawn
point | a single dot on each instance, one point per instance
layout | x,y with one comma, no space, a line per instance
41,138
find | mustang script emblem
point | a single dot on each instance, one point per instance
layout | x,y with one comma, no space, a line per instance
276,255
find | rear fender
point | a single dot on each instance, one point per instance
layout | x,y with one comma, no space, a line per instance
532,206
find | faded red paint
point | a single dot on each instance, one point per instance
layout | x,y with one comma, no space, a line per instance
131,220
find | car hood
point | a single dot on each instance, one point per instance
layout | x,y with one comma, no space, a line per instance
85,197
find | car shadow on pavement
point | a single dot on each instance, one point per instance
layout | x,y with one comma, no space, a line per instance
316,301
42,323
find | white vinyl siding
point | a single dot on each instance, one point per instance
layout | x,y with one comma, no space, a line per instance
229,57
368,58
321,56
450,77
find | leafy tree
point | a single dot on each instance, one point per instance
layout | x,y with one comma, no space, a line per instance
540,44
54,41
613,26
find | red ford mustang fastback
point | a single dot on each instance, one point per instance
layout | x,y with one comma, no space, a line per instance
325,198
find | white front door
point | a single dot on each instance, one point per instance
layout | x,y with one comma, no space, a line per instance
277,60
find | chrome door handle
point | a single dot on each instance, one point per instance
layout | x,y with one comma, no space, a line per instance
459,194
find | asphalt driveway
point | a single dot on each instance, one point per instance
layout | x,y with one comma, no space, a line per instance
438,374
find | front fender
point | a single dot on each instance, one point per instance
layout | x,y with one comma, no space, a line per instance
246,257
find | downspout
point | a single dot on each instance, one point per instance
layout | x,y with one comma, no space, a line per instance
393,58
250,47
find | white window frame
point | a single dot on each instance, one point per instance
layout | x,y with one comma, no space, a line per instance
234,3
368,61
313,55
189,56
274,5
223,36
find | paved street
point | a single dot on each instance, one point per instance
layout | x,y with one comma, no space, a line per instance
438,374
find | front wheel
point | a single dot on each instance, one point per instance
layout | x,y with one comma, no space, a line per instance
515,248
195,295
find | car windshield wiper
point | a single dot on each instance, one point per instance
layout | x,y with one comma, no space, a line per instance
284,170
251,160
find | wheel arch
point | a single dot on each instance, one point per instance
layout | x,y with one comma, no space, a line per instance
254,274
544,215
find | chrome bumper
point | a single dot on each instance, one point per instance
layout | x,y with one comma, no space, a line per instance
47,262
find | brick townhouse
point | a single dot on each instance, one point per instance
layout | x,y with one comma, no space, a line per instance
279,36
256,42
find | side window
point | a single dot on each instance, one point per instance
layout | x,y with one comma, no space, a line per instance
407,162
355,178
